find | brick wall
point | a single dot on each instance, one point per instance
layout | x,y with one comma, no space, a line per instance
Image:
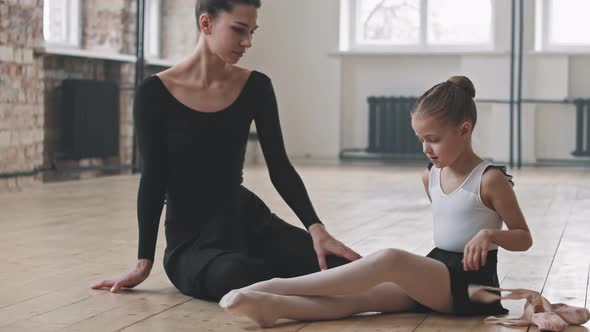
21,91
30,93
30,83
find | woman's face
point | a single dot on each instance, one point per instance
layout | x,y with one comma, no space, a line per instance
229,34
442,141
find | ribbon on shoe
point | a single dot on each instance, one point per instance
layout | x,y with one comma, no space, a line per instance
537,309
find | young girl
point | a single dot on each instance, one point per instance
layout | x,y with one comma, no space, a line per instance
470,199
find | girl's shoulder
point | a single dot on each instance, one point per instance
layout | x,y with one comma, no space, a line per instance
496,183
496,174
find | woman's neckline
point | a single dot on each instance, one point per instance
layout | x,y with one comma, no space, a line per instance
223,110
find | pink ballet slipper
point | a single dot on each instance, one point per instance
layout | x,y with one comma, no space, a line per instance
572,315
537,309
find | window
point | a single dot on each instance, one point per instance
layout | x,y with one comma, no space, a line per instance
562,25
417,25
61,25
61,22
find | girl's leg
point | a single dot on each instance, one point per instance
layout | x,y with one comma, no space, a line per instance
423,279
265,308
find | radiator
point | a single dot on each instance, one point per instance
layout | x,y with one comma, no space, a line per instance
90,118
390,129
582,127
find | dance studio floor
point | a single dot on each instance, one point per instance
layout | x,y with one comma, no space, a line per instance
56,239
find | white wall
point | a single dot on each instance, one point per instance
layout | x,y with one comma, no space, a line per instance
292,47
322,96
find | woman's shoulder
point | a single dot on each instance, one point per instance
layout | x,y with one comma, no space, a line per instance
257,83
150,85
260,75
162,80
253,75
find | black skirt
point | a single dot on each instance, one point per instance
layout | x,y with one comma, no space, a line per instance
461,279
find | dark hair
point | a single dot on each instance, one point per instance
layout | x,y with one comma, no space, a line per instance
213,7
451,100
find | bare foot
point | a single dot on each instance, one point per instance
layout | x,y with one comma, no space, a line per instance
257,306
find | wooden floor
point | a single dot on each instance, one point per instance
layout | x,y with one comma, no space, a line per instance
56,239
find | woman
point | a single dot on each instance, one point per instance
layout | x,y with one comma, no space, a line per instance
192,124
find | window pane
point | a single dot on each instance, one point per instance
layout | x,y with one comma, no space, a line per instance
388,21
55,20
569,22
459,22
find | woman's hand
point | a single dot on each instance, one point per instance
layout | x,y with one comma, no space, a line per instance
475,252
325,244
129,280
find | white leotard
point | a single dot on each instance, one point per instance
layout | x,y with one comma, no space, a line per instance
459,215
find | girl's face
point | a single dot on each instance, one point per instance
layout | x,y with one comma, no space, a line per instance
229,34
442,141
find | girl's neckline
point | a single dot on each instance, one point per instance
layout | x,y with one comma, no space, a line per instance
223,110
462,183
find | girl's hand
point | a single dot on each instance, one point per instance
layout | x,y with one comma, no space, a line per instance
475,252
129,280
325,244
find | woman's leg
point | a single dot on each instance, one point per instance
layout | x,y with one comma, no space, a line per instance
425,280
265,308
286,249
229,271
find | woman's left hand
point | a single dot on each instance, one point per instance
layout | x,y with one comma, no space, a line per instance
475,252
325,244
